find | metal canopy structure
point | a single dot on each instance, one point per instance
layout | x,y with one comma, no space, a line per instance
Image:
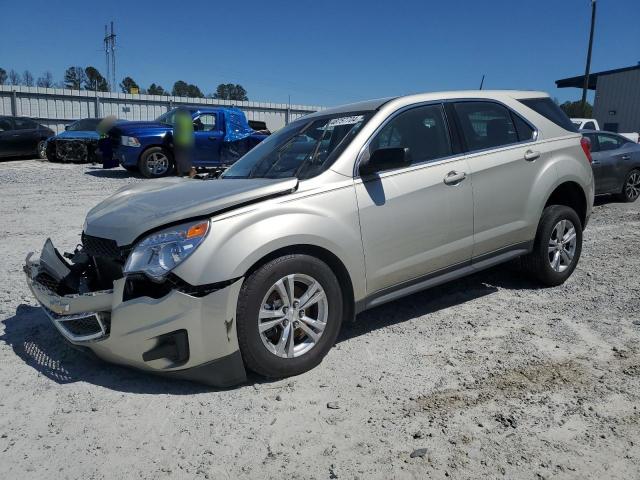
578,81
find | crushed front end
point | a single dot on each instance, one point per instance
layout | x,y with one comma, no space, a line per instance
167,327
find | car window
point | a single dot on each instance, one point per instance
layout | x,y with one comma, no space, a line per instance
592,140
589,126
551,111
84,125
5,124
608,142
485,125
423,130
205,123
25,124
524,130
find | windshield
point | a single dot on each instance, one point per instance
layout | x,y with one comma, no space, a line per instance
302,149
85,125
168,117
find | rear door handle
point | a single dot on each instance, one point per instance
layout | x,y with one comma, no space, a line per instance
212,138
531,155
625,157
454,178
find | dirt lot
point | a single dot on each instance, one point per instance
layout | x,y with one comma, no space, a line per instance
491,376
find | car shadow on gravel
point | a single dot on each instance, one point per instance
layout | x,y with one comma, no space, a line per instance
438,298
36,341
111,173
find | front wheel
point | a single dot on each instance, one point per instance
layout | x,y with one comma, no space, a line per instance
41,149
155,162
557,247
289,315
631,187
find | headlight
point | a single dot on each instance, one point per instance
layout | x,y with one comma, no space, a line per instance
159,253
129,141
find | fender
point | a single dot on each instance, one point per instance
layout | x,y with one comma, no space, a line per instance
240,239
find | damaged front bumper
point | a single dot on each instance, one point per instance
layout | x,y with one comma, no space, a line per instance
180,335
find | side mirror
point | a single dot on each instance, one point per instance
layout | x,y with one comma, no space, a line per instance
386,159
66,127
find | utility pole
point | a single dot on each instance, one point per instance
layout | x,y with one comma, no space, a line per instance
585,86
110,56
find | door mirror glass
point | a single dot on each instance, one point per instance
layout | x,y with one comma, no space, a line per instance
386,158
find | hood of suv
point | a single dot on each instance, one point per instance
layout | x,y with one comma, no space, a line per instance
134,210
78,135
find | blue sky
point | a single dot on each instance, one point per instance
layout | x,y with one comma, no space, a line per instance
326,52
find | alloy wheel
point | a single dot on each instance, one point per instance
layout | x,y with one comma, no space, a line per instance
632,187
562,245
293,315
157,164
42,149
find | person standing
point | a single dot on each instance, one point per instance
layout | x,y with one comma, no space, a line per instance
104,142
183,143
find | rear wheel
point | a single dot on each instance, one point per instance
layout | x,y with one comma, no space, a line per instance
289,315
557,246
155,162
631,187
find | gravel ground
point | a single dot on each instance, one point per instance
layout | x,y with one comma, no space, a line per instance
481,378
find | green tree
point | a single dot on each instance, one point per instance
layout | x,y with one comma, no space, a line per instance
180,89
94,80
574,109
155,90
14,78
45,80
127,84
3,76
74,78
194,91
230,91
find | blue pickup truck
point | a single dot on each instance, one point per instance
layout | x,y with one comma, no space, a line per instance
222,135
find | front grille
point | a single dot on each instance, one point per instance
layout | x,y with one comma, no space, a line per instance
101,247
82,327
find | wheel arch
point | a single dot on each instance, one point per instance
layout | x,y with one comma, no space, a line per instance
572,195
333,262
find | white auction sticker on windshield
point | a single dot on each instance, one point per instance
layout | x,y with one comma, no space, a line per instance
345,120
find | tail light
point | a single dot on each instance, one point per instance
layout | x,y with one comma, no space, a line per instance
585,143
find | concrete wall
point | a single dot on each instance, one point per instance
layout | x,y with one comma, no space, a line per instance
619,93
56,107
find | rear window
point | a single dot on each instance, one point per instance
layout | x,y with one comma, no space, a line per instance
549,110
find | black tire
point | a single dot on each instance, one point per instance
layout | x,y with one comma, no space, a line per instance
631,187
41,150
254,352
538,262
153,154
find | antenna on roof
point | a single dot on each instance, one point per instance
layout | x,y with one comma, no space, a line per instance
482,81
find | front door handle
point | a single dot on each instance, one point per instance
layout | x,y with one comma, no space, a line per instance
625,157
531,155
595,162
454,178
212,138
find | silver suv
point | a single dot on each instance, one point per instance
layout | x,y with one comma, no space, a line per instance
338,212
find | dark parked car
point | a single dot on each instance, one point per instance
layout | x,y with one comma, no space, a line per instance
23,136
616,164
78,143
